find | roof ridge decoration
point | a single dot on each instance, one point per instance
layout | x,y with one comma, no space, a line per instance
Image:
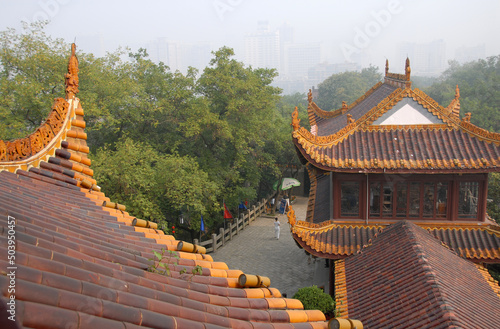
398,80
58,148
72,75
449,115
314,110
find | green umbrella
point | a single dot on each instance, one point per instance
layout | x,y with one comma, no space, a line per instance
286,183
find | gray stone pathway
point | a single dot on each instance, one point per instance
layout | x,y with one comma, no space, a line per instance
256,251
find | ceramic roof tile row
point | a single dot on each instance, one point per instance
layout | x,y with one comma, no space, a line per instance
406,279
477,244
335,240
404,150
368,101
73,254
82,264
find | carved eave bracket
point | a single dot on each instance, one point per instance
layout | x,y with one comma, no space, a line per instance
24,153
72,75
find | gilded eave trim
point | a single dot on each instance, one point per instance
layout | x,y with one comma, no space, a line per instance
315,110
27,152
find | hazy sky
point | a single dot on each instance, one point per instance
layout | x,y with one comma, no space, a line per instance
376,27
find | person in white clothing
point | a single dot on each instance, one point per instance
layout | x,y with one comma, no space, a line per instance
277,228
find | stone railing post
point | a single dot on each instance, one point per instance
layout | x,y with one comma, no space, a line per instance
214,242
223,238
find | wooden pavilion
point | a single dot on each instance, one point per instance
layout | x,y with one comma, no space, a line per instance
397,206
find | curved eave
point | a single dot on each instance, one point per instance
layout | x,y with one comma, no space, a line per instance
302,244
476,243
392,168
316,111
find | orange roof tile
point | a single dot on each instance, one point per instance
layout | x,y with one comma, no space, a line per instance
335,240
406,279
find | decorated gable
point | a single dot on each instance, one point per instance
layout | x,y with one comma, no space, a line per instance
408,112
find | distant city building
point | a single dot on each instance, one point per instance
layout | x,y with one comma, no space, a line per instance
469,54
262,48
299,58
428,59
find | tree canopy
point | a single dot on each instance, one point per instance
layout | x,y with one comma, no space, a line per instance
346,86
163,143
479,84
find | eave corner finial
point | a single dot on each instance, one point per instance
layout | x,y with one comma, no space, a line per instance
407,69
386,67
72,75
457,92
295,119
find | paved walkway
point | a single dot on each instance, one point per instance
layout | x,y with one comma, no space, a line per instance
256,251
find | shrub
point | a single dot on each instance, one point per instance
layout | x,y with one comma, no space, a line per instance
314,298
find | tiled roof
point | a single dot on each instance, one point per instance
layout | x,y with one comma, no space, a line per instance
439,149
330,122
407,279
336,239
80,262
347,140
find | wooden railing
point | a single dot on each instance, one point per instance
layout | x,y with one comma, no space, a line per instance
225,235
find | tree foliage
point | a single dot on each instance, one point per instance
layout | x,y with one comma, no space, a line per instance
31,71
155,186
479,84
346,86
162,143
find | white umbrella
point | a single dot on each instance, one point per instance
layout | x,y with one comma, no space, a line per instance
288,183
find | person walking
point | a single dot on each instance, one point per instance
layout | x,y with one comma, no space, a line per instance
277,228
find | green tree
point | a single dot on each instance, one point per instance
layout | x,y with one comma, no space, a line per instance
224,121
346,86
232,124
288,161
153,186
479,84
31,76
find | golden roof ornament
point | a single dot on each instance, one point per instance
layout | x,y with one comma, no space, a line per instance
407,69
344,107
457,92
72,75
295,119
